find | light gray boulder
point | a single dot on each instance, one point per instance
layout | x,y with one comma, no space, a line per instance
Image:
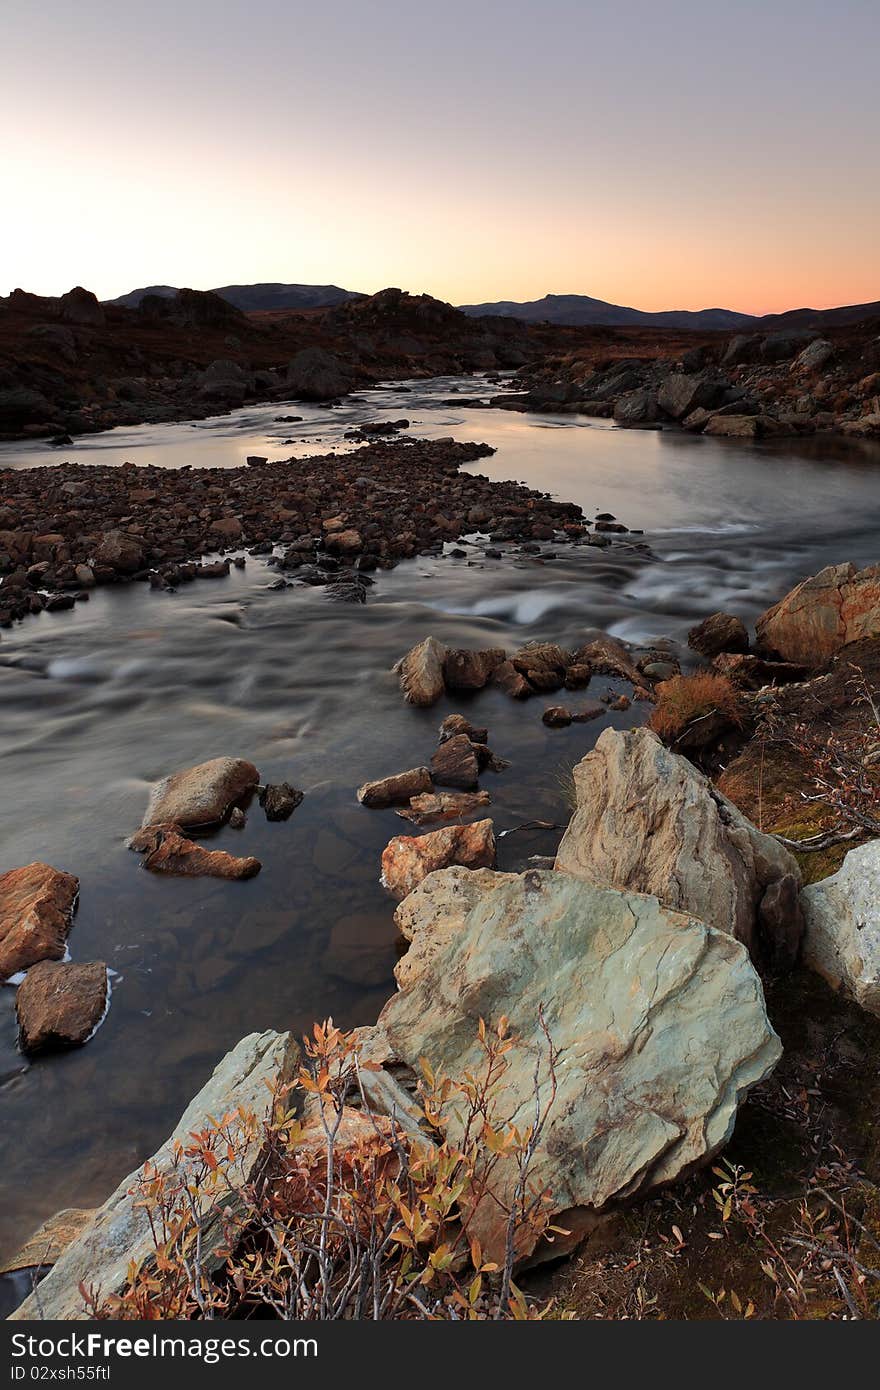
842,927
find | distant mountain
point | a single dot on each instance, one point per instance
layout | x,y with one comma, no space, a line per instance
580,310
822,318
254,297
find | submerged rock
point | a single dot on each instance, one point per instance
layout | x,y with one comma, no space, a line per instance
658,1021
407,859
120,1232
168,851
36,908
647,820
201,795
60,1004
842,931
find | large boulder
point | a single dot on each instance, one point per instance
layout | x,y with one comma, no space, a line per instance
638,407
60,1004
201,795
648,821
119,552
120,1232
842,926
823,613
407,859
658,1022
316,375
36,908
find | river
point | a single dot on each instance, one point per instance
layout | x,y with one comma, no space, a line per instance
97,702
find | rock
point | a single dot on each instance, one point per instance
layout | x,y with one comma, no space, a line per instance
556,717
814,356
648,821
606,656
397,790
680,394
471,670
578,676
544,665
121,1234
842,927
37,904
818,617
440,806
50,1240
658,1021
866,427
228,528
781,924
279,800
316,375
721,632
739,426
748,672
512,681
407,859
660,670
639,407
201,795
456,763
60,1004
169,852
237,818
421,673
457,724
593,709
120,553
81,307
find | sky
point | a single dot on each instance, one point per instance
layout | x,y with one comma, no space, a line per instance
683,154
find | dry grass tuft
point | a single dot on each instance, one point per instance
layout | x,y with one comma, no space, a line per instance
684,700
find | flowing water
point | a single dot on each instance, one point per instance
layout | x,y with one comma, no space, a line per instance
98,702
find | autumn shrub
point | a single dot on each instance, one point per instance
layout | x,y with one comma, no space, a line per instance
353,1214
684,701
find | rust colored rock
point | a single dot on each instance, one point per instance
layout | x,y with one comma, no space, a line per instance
457,724
408,859
421,673
201,795
578,676
36,908
544,665
471,670
60,1004
120,553
397,790
721,632
441,806
456,764
167,851
818,617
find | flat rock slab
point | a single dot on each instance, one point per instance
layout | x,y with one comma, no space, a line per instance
659,1024
121,1233
407,859
842,927
167,851
36,909
201,795
60,1004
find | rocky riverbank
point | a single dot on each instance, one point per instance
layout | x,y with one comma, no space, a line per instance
744,386
334,519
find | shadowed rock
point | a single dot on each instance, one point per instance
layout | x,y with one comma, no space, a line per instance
60,1004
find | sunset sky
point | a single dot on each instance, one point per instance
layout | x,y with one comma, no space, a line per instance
676,155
